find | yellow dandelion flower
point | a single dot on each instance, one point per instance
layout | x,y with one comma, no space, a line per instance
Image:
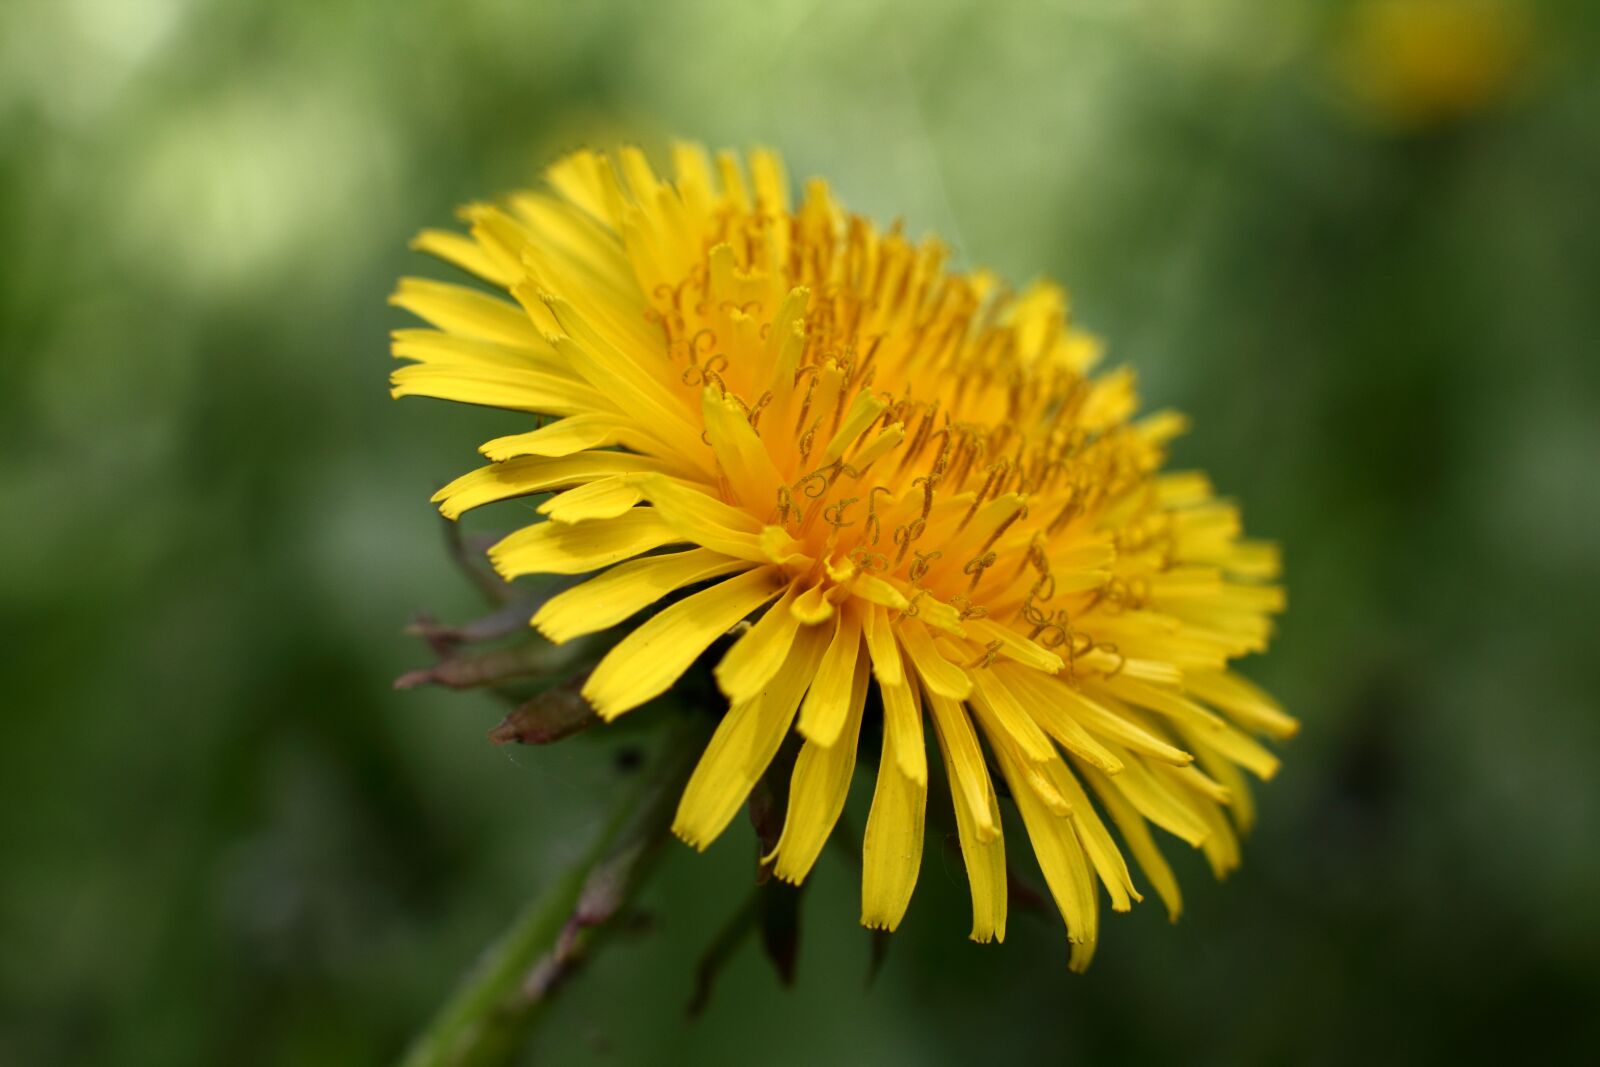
1418,63
902,489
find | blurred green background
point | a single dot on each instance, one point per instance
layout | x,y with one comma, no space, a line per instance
1359,243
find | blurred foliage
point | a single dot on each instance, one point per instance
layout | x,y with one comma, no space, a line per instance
1360,249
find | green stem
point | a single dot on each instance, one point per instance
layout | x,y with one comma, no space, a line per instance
495,1009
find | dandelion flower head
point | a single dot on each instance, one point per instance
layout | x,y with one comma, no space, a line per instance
903,491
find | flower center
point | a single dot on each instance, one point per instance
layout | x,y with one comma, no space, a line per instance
927,429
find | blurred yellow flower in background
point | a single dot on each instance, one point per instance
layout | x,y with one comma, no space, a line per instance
906,477
1418,63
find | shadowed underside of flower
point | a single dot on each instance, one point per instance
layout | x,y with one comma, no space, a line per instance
906,477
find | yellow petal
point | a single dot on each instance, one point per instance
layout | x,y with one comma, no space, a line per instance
1033,771
824,714
864,411
1249,705
1221,846
1182,488
512,388
772,184
1104,721
880,445
777,546
609,301
746,740
885,650
693,170
733,185
1169,810
1097,842
940,615
741,454
891,853
562,548
464,252
631,386
575,433
458,309
1173,705
939,674
1011,715
574,244
813,606
532,474
975,536
1061,860
821,780
877,591
969,776
439,349
1192,778
705,520
502,238
1046,700
1238,747
651,413
1136,834
1251,559
977,818
1230,778
785,344
1014,646
902,710
644,664
586,179
626,588
759,652
603,498
641,176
